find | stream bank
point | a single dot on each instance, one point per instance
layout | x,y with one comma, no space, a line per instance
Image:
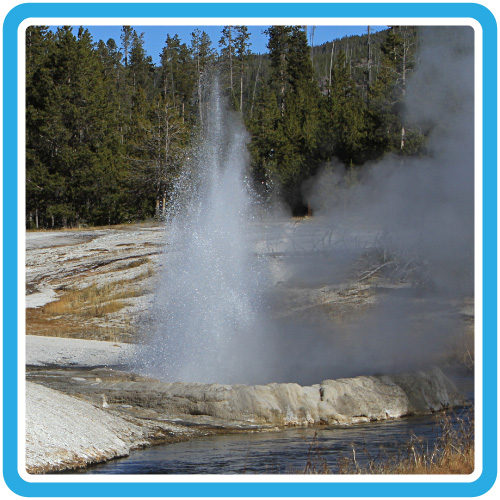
82,413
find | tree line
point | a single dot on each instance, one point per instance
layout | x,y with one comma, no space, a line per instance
108,132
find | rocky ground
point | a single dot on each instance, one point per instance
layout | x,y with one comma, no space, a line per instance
119,263
86,291
122,262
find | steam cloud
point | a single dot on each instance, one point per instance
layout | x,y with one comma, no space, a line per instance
421,209
217,315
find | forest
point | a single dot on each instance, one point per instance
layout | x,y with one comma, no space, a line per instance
108,132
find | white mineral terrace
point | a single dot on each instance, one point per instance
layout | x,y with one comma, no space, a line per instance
65,431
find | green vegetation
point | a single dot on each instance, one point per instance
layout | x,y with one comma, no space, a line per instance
108,132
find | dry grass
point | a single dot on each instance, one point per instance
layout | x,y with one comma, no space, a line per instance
75,312
91,302
133,264
86,313
66,326
95,300
461,352
453,453
316,463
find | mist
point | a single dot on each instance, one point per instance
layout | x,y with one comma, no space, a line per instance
418,212
249,296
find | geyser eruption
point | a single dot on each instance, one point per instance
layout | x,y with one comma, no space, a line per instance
209,296
222,314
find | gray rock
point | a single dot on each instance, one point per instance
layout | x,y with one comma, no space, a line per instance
340,401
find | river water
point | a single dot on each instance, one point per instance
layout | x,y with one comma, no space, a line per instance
281,452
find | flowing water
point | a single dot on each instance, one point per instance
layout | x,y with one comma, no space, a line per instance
281,452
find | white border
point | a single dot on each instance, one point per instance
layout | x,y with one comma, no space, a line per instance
264,478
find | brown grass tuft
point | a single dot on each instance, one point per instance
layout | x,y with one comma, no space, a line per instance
453,453
67,326
91,302
72,315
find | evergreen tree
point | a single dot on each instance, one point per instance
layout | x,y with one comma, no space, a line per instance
107,131
140,65
125,84
227,59
264,126
344,118
233,57
386,96
126,37
278,45
39,47
242,53
71,113
139,156
177,75
156,151
204,57
94,140
292,84
62,127
169,140
111,58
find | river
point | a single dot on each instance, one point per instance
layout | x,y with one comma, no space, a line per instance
280,452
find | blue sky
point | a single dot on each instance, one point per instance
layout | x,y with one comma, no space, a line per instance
155,36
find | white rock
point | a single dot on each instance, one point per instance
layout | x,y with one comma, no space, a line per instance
62,431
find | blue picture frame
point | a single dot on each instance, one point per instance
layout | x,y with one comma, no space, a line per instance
333,488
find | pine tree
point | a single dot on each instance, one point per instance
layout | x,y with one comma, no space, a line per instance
278,45
157,146
242,53
204,57
62,129
293,155
94,140
126,38
169,139
387,94
344,117
232,59
178,75
107,130
140,65
227,59
39,46
110,57
72,147
263,127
